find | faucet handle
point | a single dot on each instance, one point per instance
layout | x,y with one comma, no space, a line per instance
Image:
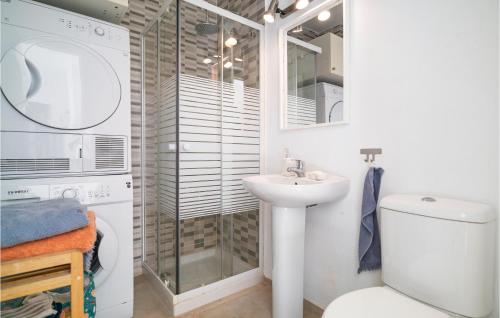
299,164
298,168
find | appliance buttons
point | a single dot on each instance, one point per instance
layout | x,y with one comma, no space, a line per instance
99,31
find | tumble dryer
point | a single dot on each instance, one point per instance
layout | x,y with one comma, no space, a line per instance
65,83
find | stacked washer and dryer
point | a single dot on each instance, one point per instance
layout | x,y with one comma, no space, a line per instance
65,129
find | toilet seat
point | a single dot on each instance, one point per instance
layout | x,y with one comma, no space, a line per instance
379,302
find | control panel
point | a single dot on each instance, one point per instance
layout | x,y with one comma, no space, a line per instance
89,28
87,193
60,22
100,192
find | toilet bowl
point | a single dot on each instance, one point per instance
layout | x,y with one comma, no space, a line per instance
379,302
438,261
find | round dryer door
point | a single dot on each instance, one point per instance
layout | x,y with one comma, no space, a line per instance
105,252
59,83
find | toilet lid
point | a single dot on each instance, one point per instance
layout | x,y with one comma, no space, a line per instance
379,302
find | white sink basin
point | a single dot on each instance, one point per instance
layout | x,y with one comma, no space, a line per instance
292,192
290,196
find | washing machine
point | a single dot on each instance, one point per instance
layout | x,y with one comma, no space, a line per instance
330,101
65,84
110,197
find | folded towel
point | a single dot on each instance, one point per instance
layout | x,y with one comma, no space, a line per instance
82,239
33,306
32,221
369,237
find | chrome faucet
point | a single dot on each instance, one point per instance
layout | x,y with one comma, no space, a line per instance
298,169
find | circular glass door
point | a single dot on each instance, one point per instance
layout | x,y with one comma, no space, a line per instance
105,253
60,84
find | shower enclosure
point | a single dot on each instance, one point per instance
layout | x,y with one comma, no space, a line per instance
200,137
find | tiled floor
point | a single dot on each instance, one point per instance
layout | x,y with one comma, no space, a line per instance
255,302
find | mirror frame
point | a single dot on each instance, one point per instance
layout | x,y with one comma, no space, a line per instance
287,24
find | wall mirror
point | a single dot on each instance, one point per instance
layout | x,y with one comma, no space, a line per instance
314,68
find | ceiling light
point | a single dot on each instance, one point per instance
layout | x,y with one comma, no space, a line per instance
269,15
228,64
298,29
231,41
207,61
324,15
237,59
301,4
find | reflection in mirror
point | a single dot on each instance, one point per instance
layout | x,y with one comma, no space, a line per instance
315,65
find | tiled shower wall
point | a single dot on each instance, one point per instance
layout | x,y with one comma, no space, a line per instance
245,244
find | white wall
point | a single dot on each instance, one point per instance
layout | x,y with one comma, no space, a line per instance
425,89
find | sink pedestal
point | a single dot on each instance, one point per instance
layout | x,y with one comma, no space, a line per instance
289,197
288,261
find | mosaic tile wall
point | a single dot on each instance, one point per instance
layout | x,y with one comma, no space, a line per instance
200,233
246,237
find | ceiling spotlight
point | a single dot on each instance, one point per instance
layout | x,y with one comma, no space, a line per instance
324,15
301,4
269,17
297,29
231,41
228,64
270,14
207,61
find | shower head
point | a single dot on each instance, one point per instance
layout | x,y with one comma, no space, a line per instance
206,28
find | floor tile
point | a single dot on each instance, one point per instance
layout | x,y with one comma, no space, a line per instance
255,302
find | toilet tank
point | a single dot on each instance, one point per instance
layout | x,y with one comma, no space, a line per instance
439,251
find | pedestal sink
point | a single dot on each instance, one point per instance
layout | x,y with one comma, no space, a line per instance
289,197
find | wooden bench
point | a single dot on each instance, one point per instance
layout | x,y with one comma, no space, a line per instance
33,275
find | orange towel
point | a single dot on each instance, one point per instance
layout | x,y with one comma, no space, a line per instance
82,239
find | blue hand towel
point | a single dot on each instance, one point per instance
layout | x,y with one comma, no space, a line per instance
32,221
369,236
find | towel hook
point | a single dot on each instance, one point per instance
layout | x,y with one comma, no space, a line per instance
370,152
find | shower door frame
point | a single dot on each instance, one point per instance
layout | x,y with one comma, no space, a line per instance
253,276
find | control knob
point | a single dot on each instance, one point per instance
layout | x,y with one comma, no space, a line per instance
99,31
70,193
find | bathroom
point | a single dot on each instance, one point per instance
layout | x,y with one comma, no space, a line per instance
214,93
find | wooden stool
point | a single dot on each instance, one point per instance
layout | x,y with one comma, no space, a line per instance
26,276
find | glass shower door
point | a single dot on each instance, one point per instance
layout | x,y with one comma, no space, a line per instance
199,150
240,147
201,136
159,156
219,104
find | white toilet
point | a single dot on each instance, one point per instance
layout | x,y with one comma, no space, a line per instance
437,262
